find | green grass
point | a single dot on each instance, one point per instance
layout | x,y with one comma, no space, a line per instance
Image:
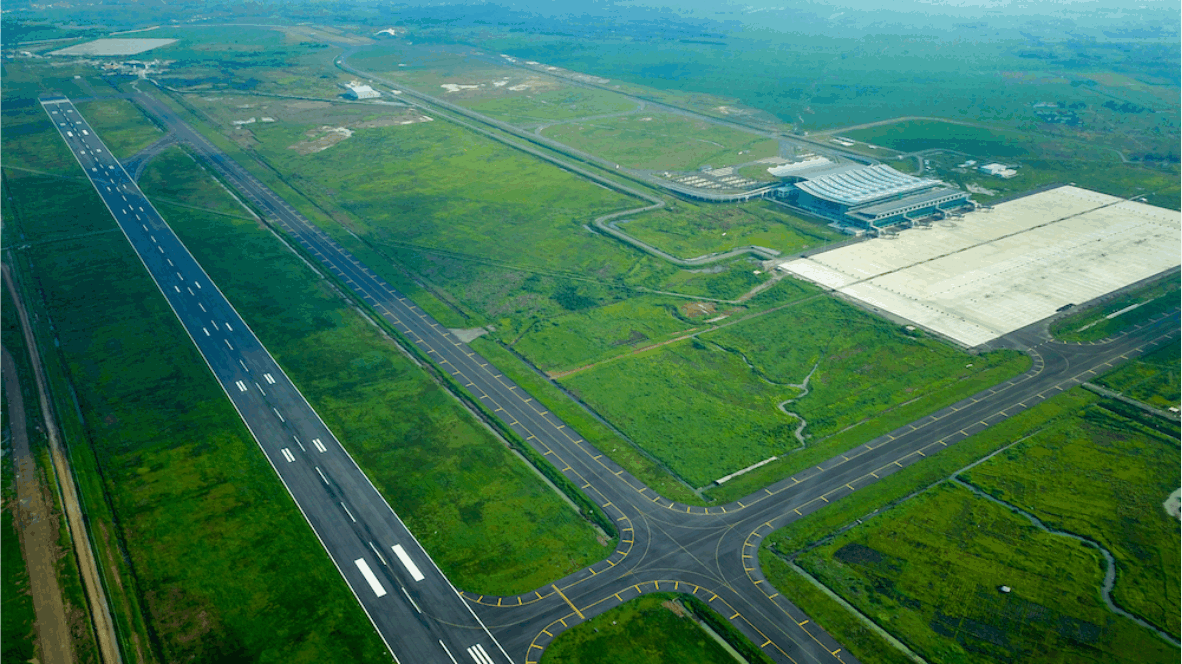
1104,476
1151,379
580,337
181,180
663,141
687,229
943,601
122,126
1044,160
855,636
537,108
184,478
489,522
594,431
1093,324
704,412
642,631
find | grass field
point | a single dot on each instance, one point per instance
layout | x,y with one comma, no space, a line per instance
1104,475
650,629
687,229
121,124
181,475
565,103
1044,160
1151,379
709,407
580,337
944,602
663,141
1093,323
486,519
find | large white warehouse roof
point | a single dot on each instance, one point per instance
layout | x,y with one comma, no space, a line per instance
863,185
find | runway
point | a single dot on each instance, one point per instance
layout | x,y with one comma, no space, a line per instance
707,551
414,608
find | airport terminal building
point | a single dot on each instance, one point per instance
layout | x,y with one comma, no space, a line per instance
873,197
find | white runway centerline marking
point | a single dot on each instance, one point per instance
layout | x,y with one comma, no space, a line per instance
369,577
378,554
408,563
246,368
202,306
228,328
320,473
287,455
349,513
416,605
205,331
319,445
449,655
277,414
260,388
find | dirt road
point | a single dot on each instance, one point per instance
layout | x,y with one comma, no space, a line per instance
96,595
38,525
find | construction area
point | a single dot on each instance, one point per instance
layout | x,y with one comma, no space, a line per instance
995,270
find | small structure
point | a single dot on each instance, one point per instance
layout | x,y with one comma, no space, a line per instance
1004,589
358,90
998,170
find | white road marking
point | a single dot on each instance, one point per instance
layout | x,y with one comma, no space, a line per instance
269,378
453,659
241,385
408,563
277,414
369,577
319,445
160,248
231,347
416,605
145,226
297,440
320,473
202,306
378,554
214,323
178,276
205,331
228,327
178,288
478,654
287,455
141,209
197,284
260,389
190,291
168,259
153,237
349,513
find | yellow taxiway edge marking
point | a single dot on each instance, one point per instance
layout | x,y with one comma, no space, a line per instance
773,596
547,633
851,488
824,499
563,622
539,596
570,603
797,510
498,601
802,624
734,616
765,643
618,597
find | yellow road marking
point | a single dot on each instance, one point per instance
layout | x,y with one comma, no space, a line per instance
570,603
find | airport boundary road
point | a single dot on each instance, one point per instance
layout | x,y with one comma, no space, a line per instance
414,608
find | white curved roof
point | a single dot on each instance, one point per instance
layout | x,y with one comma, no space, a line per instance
864,185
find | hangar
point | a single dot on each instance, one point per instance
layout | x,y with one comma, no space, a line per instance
997,270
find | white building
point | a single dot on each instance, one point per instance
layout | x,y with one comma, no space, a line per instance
358,90
1000,170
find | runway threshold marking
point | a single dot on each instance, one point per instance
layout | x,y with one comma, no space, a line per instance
570,603
374,584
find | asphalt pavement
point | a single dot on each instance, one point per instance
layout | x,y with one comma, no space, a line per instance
414,608
711,552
